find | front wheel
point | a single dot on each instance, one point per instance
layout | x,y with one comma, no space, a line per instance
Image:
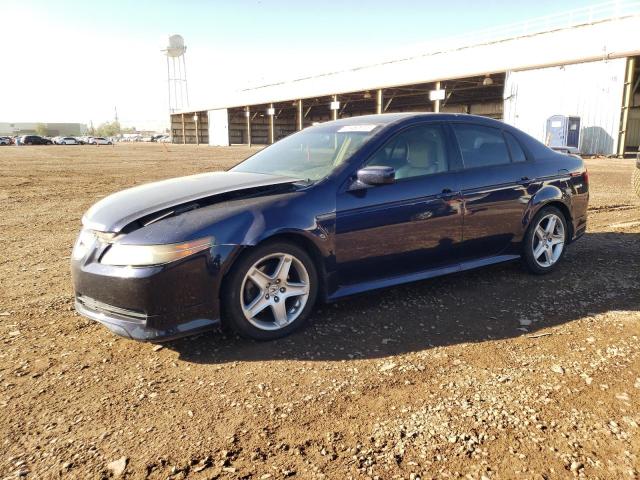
270,292
544,243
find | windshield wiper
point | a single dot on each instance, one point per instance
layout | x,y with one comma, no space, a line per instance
304,183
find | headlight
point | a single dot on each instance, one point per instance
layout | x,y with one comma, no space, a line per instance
84,243
146,255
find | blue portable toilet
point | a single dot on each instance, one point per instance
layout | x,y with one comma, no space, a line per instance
563,133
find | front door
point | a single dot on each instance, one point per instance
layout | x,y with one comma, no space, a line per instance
405,227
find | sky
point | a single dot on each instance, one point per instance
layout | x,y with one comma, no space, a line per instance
77,61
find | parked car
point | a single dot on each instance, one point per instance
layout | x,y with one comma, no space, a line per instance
35,140
635,178
334,210
68,141
164,139
99,141
5,141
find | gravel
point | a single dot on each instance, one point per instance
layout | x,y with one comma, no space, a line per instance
490,374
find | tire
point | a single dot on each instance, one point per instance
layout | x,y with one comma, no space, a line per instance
241,293
543,249
635,181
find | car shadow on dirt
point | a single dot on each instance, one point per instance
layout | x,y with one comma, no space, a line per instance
599,273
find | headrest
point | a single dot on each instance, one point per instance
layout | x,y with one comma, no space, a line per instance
421,153
489,152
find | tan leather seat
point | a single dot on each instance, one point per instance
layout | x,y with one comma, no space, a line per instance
422,159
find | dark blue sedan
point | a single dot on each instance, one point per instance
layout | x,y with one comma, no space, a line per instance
334,210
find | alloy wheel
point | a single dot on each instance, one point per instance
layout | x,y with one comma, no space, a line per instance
274,291
548,240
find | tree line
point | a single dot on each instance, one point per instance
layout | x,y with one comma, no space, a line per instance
107,129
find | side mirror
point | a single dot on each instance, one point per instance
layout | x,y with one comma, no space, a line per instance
376,175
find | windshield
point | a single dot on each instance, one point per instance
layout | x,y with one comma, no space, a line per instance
311,154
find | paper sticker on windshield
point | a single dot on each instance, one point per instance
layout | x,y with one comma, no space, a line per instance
357,128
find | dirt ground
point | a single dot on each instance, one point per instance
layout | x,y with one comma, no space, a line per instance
490,374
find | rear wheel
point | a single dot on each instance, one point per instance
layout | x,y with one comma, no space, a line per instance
270,292
544,243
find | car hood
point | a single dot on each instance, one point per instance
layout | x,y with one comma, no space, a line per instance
167,197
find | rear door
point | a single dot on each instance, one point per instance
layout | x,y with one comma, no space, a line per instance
496,186
408,226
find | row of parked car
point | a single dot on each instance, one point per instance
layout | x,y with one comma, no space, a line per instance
84,140
133,137
39,140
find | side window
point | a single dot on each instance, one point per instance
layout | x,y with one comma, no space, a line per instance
517,154
481,146
417,151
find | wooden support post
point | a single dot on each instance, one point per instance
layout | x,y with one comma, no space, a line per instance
626,105
272,115
195,119
379,101
300,115
436,103
184,138
248,115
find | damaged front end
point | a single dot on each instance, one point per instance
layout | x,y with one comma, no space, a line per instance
151,270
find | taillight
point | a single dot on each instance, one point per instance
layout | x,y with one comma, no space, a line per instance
584,174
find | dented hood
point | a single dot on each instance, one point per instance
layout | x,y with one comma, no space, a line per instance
113,213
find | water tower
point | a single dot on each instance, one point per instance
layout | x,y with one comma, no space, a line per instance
177,74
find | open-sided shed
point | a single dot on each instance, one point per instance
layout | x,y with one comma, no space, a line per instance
510,73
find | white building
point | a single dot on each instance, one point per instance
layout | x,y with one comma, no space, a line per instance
580,63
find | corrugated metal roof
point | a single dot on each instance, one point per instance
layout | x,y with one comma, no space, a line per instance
587,37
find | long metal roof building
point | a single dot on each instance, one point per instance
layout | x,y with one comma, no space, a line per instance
579,63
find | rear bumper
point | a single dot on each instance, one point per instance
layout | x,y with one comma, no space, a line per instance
579,228
153,303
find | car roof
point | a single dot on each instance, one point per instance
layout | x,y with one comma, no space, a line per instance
389,118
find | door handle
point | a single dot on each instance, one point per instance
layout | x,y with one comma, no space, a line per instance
447,194
526,181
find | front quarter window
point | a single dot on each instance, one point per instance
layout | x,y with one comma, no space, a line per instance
311,154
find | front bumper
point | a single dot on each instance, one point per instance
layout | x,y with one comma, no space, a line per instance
157,303
136,328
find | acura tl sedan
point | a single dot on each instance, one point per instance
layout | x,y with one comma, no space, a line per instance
337,209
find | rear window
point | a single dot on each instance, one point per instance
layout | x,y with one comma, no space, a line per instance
481,146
